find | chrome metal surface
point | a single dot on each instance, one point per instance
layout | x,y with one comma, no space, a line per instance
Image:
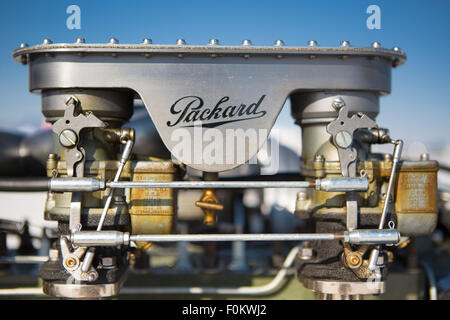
342,184
211,184
222,81
81,291
114,238
328,184
372,236
76,184
345,288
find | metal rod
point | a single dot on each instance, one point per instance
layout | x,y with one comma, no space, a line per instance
432,291
236,237
327,184
395,159
211,184
116,238
373,258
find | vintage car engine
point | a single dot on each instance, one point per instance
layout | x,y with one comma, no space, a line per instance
213,107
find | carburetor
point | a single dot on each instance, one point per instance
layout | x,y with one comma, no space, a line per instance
357,203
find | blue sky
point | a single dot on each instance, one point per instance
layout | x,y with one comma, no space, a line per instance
418,108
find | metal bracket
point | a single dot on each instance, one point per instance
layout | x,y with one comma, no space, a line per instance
71,261
342,129
68,130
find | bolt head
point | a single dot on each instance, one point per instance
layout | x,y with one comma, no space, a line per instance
92,276
307,253
279,43
181,42
113,41
344,139
397,49
146,41
213,42
108,261
246,43
23,45
345,43
47,41
312,43
376,45
80,40
338,103
425,156
68,138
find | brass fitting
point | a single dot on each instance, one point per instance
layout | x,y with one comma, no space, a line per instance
209,203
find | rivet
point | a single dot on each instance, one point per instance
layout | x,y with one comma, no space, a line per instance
246,43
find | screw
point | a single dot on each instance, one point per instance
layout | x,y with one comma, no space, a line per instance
344,139
71,262
80,40
92,276
354,260
279,43
312,43
397,49
146,41
68,138
23,45
213,42
338,103
47,41
246,43
345,43
113,41
181,42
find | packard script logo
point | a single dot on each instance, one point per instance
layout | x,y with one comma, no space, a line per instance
190,110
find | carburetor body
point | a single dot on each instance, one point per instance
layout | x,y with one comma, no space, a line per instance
194,93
